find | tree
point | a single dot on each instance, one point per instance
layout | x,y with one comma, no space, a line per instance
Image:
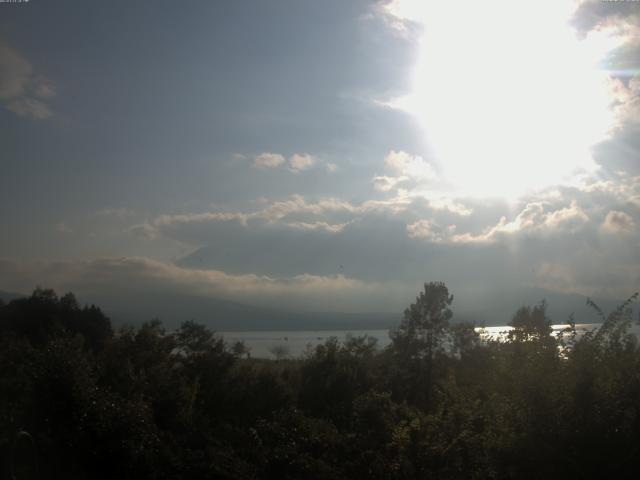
464,339
422,334
44,316
280,352
531,323
425,324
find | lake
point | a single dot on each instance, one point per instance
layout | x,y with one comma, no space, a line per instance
262,344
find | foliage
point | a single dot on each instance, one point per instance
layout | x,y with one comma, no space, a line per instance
419,339
145,402
423,328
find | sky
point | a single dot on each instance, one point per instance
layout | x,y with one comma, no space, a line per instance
321,156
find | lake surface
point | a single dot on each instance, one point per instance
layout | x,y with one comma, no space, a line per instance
295,343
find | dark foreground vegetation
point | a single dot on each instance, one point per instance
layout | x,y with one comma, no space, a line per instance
78,400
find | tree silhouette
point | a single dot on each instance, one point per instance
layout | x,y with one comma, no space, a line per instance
531,323
422,334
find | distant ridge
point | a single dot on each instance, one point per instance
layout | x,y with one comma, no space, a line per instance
227,315
221,314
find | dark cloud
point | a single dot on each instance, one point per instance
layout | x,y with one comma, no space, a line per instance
591,14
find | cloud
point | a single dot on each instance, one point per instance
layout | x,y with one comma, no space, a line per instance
415,225
329,214
21,91
438,199
430,231
618,222
621,190
412,167
286,248
398,16
30,107
15,73
268,160
385,183
299,162
593,15
43,88
616,24
140,275
331,228
571,218
626,106
534,219
577,275
446,203
415,179
331,167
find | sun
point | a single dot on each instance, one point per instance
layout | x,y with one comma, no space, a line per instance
510,98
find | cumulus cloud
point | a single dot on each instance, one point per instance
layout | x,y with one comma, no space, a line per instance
620,190
299,162
413,167
268,160
534,219
415,226
21,91
446,203
398,16
619,24
413,178
437,219
430,231
626,106
618,222
385,183
404,168
593,15
329,214
290,247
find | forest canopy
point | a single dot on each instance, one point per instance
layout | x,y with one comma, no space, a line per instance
82,400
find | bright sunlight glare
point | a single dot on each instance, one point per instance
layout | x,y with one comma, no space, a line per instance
511,99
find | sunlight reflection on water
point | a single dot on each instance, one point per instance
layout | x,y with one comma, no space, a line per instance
501,332
293,344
